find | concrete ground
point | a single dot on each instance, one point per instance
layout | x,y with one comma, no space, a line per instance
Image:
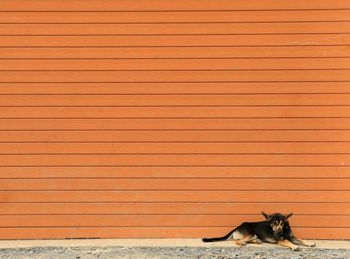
164,249
324,244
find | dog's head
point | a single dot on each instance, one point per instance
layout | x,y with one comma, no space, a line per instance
277,221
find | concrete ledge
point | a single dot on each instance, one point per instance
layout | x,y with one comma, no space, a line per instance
326,244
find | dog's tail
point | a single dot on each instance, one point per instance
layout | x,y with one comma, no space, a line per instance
216,239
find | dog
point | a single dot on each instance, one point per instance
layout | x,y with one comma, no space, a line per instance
275,229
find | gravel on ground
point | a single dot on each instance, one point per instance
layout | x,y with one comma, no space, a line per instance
172,252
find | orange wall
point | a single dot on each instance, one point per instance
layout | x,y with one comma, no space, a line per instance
131,119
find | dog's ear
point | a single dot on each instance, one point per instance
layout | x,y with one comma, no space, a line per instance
288,215
267,216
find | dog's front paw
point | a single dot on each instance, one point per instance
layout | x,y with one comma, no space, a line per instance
295,248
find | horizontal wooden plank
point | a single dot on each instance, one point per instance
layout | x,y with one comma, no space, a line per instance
149,5
176,88
175,17
176,40
176,124
175,100
175,52
176,160
176,112
174,64
177,29
176,76
175,196
152,232
164,172
176,148
173,135
173,208
174,184
162,220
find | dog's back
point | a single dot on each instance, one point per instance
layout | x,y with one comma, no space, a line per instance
258,229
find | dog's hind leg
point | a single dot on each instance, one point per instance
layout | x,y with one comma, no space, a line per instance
246,239
300,242
256,241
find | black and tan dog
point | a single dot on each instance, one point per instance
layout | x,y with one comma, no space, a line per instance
275,229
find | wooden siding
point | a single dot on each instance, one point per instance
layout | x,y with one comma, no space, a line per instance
149,118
